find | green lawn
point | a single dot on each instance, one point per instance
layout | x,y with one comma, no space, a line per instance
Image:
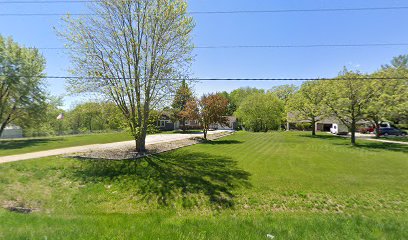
244,186
398,139
20,146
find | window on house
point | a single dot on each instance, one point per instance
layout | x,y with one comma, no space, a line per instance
163,123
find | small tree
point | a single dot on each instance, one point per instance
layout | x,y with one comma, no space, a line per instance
22,97
347,97
183,95
209,110
261,112
129,51
307,103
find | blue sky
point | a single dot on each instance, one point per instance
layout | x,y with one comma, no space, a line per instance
246,29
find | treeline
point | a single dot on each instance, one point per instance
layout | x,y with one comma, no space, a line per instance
351,97
88,117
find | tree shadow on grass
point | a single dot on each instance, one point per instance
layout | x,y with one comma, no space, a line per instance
362,144
378,146
173,178
18,144
324,137
221,142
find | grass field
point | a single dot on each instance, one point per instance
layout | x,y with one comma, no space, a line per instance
20,146
398,139
245,186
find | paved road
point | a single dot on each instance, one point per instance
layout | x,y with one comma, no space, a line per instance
151,139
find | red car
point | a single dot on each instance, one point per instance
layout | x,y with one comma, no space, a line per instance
367,130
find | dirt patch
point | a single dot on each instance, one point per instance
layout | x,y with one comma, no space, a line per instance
130,153
18,207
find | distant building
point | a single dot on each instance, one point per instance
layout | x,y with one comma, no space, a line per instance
231,124
166,124
323,124
12,131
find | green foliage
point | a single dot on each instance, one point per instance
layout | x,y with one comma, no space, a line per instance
261,112
94,116
232,107
347,97
389,100
129,51
307,104
22,95
239,95
398,62
182,97
284,92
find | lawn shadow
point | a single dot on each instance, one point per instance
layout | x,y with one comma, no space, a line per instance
324,137
18,144
173,178
221,142
362,144
377,146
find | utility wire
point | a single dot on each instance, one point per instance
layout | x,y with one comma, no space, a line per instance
47,1
271,46
216,12
217,79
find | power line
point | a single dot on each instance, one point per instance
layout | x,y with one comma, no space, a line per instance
217,79
213,12
48,1
273,46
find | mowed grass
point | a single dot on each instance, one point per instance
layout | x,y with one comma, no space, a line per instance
20,146
244,186
398,139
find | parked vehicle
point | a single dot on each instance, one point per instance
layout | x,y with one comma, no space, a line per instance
367,130
339,129
389,131
386,125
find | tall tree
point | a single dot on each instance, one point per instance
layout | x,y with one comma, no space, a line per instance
389,97
239,95
231,105
22,96
307,103
347,97
209,110
130,50
183,95
398,62
284,93
261,112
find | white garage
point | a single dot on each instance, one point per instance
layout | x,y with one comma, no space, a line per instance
12,132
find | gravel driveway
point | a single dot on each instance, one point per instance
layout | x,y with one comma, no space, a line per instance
151,139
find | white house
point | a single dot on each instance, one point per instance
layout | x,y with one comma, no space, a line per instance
12,131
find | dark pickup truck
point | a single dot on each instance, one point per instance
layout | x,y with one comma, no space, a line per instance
388,131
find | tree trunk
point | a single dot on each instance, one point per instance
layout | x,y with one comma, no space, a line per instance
2,127
4,124
141,144
205,134
313,127
377,129
353,132
184,124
